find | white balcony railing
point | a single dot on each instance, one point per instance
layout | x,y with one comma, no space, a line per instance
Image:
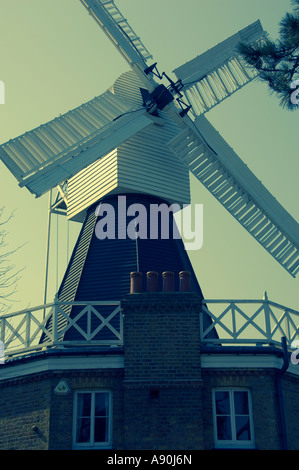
250,322
237,322
48,326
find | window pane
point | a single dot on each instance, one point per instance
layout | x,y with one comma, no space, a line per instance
83,430
101,404
84,404
101,430
243,428
241,403
224,431
222,403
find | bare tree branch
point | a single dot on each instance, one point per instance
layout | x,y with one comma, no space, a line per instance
9,275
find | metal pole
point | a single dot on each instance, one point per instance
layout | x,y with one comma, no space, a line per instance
282,412
47,249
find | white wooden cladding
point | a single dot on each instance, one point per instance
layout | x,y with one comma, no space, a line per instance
219,72
142,164
225,175
91,184
147,165
55,151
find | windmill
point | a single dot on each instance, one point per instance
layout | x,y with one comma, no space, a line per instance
142,138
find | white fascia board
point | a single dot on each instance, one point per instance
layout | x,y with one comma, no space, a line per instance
245,361
75,362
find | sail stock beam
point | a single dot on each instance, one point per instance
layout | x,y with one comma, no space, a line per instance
231,182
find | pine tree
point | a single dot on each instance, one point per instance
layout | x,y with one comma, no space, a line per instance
277,62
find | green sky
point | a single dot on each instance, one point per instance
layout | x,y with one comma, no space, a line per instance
54,57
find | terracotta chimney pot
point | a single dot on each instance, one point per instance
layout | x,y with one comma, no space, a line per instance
152,281
185,281
136,282
168,281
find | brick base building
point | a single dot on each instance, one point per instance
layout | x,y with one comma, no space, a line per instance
162,389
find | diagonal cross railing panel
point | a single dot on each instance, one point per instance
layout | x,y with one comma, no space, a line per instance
21,331
237,322
265,322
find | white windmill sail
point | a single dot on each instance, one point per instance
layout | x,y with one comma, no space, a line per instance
118,30
219,72
44,157
56,151
215,164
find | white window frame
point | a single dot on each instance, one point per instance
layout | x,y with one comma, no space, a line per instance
233,443
91,444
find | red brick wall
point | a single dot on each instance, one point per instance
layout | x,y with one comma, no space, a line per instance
263,386
23,404
291,399
161,401
162,386
31,401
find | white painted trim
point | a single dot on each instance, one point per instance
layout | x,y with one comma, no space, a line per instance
246,361
234,443
75,362
92,445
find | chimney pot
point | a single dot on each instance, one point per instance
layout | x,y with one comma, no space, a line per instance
136,282
152,281
168,281
185,281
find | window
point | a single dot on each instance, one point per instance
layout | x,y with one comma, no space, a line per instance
92,420
233,425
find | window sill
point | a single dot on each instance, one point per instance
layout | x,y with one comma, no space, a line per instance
235,448
75,447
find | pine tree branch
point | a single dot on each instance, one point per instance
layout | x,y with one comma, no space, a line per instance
277,62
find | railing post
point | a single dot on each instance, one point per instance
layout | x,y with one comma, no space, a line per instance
234,327
88,322
267,317
287,323
27,338
121,325
2,329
